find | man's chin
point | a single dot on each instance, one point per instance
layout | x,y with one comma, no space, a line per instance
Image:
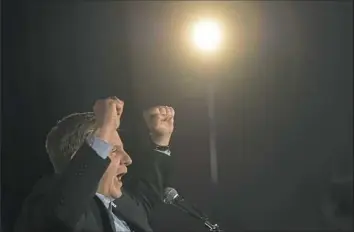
116,192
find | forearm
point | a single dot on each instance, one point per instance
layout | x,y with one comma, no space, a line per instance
60,202
77,185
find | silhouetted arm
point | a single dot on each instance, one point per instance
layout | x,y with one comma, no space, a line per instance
57,203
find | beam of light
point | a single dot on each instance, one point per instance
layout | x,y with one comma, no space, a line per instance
207,35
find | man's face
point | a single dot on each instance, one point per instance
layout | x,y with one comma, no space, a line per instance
111,181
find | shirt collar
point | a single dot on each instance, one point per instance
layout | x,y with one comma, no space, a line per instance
106,200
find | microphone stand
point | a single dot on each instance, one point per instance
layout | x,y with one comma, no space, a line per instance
198,215
212,227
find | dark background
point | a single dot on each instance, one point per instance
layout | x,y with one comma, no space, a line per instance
283,82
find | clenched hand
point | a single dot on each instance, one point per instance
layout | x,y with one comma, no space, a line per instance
160,121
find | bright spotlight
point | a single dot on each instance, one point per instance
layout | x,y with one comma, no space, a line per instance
207,35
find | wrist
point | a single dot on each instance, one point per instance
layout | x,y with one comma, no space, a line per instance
162,141
104,133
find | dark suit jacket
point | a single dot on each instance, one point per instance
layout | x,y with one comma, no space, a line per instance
67,201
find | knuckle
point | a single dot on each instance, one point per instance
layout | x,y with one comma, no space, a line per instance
105,101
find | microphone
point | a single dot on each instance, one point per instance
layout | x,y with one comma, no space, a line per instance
172,197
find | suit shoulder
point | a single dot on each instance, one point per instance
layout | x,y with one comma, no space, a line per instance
45,183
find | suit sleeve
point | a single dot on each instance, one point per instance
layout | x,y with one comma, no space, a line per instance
147,179
57,204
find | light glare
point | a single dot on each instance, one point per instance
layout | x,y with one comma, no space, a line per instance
207,35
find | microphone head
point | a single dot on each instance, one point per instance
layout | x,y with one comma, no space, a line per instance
169,196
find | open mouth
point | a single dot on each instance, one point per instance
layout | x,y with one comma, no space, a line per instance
119,176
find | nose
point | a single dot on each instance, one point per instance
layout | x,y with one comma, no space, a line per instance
126,159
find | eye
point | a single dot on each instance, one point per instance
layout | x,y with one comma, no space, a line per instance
117,149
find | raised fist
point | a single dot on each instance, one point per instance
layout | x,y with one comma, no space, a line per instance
108,113
160,121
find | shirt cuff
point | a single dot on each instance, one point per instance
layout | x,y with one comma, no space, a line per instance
102,148
168,152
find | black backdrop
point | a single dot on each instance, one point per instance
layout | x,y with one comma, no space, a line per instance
284,101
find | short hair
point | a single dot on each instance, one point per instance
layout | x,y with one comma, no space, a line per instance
66,138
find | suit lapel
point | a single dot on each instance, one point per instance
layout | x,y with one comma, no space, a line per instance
128,210
102,212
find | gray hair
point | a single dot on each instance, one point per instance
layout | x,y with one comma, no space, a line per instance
66,138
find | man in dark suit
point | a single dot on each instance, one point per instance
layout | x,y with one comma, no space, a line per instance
85,194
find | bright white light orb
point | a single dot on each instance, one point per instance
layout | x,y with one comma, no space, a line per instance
207,35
